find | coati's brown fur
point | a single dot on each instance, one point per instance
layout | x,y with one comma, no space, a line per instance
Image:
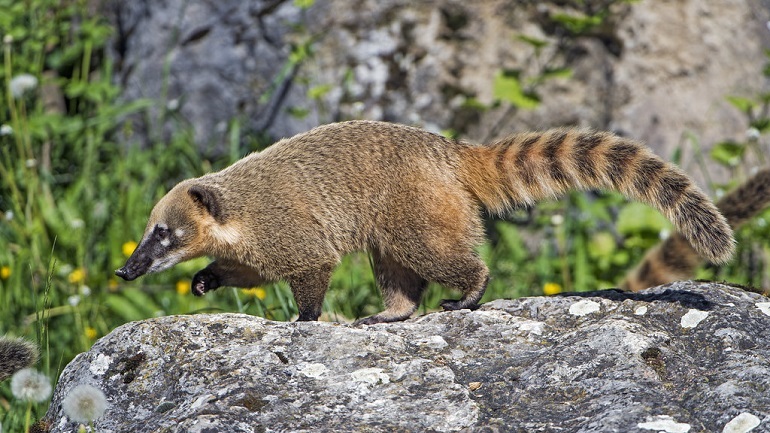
410,197
674,259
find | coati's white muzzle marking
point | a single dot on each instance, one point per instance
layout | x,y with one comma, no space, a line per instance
165,262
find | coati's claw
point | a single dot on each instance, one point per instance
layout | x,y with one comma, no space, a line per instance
204,281
453,305
371,320
377,318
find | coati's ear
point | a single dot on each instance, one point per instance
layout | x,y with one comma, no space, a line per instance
209,199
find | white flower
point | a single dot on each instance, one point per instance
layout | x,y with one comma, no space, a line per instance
6,130
73,300
9,215
29,385
21,83
84,403
85,290
557,220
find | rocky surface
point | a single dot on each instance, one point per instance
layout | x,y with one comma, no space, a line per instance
687,357
654,71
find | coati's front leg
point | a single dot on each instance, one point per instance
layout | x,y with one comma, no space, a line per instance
224,273
309,288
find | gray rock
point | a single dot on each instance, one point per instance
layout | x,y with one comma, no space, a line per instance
682,357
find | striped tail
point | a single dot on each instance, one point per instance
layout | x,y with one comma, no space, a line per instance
525,168
674,259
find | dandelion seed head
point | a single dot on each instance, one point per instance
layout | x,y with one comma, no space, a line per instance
172,105
22,83
84,403
5,130
30,385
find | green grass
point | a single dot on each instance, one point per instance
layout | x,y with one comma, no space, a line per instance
72,201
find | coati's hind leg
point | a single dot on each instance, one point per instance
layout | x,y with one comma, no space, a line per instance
401,289
308,289
224,273
466,273
462,270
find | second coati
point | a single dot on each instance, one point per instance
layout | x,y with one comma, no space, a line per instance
674,259
411,198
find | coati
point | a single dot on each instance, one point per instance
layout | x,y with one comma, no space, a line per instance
411,198
15,354
674,259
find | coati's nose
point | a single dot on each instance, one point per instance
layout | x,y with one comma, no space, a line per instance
123,273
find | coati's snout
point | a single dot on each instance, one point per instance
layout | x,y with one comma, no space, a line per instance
155,253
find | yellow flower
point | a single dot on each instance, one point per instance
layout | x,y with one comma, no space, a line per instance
128,248
5,272
551,289
77,276
113,284
257,292
183,287
90,333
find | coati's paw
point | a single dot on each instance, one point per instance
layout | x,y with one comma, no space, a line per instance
204,281
453,305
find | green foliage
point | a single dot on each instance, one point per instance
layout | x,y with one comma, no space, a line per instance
579,23
507,87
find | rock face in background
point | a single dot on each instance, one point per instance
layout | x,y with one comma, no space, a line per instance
653,71
683,357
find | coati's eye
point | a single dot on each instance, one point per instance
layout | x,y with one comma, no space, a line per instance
162,231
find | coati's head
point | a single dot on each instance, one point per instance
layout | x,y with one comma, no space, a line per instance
179,229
